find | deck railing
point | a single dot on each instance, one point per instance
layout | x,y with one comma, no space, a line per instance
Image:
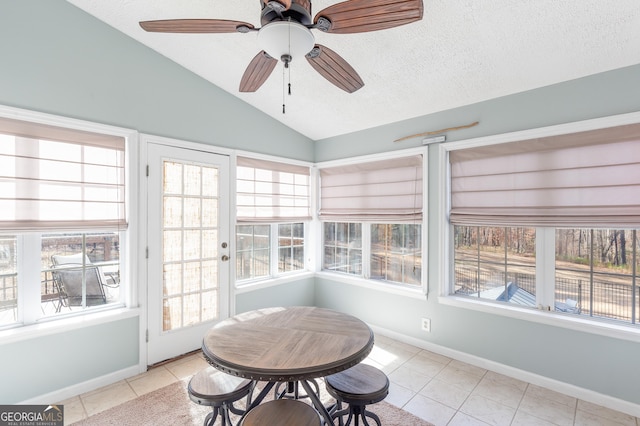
600,298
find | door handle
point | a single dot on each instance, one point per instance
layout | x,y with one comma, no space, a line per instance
225,258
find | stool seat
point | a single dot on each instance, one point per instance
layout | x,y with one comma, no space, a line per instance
359,386
219,390
282,412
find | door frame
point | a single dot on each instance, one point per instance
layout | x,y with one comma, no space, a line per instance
141,288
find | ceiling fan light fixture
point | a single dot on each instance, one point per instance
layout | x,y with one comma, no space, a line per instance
282,38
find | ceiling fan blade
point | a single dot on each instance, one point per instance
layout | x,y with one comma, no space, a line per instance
285,3
359,16
195,26
334,68
257,72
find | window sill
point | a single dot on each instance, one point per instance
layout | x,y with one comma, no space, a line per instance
53,326
556,319
399,289
258,284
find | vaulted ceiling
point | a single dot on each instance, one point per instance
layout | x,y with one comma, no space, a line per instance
461,52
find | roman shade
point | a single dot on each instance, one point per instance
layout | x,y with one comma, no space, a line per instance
269,191
381,191
54,178
589,179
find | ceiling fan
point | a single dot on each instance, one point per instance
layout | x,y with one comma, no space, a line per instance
286,34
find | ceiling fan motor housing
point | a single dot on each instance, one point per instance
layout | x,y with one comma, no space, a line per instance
300,11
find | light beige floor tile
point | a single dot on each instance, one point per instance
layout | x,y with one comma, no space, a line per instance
153,379
501,391
587,411
405,347
459,378
488,410
525,419
409,378
468,368
107,397
383,356
445,393
424,365
545,393
384,360
461,419
382,341
187,367
401,353
73,410
552,411
399,395
434,356
430,410
501,378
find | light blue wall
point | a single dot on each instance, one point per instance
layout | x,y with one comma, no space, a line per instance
599,363
599,95
34,367
297,293
58,59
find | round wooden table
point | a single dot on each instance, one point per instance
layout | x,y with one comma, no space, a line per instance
287,345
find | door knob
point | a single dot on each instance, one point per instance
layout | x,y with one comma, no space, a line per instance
225,258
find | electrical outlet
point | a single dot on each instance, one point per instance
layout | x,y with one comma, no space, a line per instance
426,325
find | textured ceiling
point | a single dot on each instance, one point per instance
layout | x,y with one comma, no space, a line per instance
461,52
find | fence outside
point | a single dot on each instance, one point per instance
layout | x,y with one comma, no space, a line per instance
601,298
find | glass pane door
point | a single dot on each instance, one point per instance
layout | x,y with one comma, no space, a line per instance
188,235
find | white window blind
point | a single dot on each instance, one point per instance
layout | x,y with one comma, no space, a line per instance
269,191
387,190
56,178
588,178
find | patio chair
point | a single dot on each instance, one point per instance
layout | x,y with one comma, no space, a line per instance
67,275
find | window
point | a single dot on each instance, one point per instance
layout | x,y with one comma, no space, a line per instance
290,247
396,253
496,263
62,221
8,279
550,223
594,271
253,248
597,274
256,243
372,219
273,206
343,247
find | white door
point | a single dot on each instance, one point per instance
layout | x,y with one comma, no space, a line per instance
188,243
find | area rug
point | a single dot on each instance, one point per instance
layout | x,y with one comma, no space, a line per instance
171,406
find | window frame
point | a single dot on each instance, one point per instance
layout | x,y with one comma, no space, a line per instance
363,280
29,322
274,278
274,273
545,239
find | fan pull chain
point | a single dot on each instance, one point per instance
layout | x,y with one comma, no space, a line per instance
286,58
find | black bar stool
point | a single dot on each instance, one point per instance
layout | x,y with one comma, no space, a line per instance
282,412
219,390
357,387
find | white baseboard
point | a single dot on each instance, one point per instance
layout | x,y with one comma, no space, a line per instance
60,395
542,381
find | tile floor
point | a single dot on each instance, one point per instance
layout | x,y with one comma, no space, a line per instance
431,386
